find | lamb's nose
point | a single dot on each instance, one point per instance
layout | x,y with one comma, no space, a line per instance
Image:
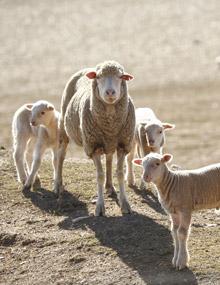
33,123
110,92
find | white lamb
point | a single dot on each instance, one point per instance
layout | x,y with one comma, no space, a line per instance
149,137
34,129
180,193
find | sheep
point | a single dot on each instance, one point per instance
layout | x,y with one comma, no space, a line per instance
180,193
149,137
34,129
98,114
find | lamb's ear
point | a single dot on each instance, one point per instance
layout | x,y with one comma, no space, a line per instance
166,157
168,126
50,107
29,107
137,161
91,74
126,76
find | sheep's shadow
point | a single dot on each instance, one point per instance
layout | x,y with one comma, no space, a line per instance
149,198
140,242
47,201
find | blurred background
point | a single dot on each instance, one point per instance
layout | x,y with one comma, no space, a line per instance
170,47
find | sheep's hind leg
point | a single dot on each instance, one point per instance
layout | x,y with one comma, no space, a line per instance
182,234
18,155
125,207
110,189
129,176
100,207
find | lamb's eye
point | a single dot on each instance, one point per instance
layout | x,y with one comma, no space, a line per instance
160,132
42,113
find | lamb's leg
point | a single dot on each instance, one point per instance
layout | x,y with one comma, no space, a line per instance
37,156
129,176
100,207
108,184
18,155
61,153
182,234
174,228
54,162
29,160
125,207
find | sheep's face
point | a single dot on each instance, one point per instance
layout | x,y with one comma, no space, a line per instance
155,135
153,166
41,113
109,87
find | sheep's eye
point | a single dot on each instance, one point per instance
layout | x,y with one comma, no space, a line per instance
42,113
160,132
157,163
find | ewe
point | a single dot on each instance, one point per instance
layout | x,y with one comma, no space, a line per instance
34,129
98,114
180,193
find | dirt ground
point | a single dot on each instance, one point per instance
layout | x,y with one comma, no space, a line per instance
170,47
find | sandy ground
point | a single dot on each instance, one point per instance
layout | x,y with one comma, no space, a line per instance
170,47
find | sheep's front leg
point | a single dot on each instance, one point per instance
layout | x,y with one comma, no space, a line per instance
129,176
182,234
100,207
125,207
174,228
37,157
60,156
108,184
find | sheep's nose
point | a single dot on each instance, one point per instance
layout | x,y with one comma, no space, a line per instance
151,142
110,92
33,123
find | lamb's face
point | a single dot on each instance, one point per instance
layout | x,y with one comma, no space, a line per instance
154,136
41,113
153,166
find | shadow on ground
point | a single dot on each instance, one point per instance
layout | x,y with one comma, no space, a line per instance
141,243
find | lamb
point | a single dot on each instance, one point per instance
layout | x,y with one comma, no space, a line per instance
34,129
98,114
149,137
180,193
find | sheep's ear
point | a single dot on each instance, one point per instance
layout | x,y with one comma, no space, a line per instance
168,126
29,107
50,107
126,76
166,157
137,161
91,74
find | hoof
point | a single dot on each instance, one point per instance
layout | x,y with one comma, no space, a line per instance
37,183
181,264
111,192
125,207
100,210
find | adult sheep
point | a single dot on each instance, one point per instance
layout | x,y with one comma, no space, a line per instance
98,114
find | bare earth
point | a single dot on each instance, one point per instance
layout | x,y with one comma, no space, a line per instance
170,47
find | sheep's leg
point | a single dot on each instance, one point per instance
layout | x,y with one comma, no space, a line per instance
61,153
100,207
129,176
182,234
29,160
108,184
125,207
174,228
37,156
18,155
54,162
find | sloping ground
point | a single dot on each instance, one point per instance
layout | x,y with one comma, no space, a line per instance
41,243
